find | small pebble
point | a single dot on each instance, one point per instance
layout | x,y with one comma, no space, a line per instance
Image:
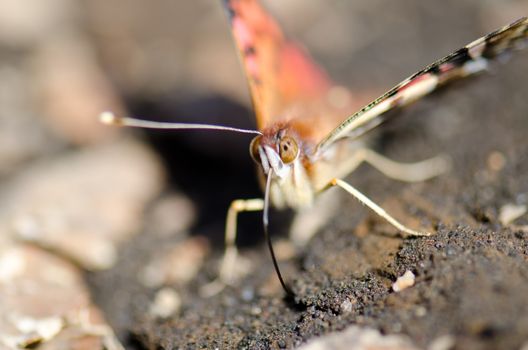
357,338
45,328
167,302
404,282
511,212
443,342
421,311
346,306
255,310
496,161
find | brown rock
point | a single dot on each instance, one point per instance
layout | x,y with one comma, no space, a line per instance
43,300
83,204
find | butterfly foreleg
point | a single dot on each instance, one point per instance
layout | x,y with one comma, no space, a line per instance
229,270
376,208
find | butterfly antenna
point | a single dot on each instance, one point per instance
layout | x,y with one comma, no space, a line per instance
112,119
265,223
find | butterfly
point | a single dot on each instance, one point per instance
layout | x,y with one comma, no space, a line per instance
308,136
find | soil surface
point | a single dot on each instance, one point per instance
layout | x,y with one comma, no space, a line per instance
471,277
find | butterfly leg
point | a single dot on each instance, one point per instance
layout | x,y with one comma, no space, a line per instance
407,172
376,208
307,222
228,269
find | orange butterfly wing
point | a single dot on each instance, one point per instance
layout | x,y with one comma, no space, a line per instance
280,74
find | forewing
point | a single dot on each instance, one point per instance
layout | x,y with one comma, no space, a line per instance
471,59
279,72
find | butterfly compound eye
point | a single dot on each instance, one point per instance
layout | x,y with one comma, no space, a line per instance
288,149
253,148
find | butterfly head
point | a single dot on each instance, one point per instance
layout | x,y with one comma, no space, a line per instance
277,151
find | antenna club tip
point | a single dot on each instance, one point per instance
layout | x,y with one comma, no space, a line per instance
109,118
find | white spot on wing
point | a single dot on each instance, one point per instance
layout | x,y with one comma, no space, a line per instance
475,66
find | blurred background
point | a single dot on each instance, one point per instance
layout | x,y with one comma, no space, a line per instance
79,198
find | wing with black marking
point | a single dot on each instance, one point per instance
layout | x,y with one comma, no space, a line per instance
471,59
